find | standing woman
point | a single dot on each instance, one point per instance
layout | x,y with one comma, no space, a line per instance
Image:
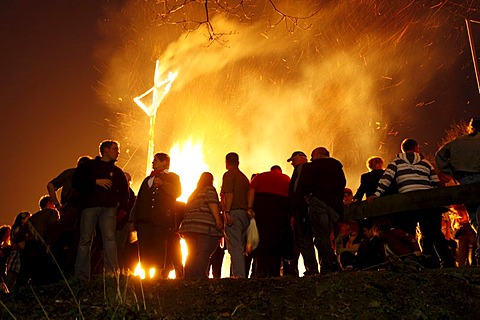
202,227
13,262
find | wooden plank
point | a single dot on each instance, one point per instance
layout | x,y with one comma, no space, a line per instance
431,198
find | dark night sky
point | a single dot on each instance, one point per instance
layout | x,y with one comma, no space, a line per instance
50,113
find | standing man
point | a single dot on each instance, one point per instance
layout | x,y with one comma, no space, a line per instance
235,204
68,226
322,184
301,222
103,191
460,159
153,215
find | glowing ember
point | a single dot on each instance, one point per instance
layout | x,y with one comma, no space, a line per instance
151,273
139,272
187,161
172,274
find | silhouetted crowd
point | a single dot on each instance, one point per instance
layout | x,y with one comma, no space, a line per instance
100,226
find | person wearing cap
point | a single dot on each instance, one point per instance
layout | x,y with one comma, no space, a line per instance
299,211
460,159
322,184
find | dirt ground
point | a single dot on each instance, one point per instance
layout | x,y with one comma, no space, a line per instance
401,293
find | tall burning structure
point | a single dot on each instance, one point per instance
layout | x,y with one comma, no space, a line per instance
158,92
354,76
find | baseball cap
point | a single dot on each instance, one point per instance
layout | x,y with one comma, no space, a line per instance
296,153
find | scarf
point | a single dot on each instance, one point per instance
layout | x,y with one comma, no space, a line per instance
153,175
157,172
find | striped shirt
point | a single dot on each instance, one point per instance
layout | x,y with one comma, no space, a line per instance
198,218
411,173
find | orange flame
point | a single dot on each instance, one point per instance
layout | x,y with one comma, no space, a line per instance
187,161
141,273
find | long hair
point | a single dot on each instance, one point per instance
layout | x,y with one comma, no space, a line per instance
206,179
19,217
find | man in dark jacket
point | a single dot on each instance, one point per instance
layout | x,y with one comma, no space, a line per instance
153,215
322,183
299,210
103,190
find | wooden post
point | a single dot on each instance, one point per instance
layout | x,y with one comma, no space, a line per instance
431,198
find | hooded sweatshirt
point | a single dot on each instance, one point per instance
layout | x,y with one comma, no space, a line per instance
410,171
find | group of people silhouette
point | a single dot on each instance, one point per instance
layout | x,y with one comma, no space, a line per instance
89,230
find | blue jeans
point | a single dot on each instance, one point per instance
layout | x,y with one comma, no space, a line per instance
121,237
235,235
200,248
304,240
322,218
474,215
106,219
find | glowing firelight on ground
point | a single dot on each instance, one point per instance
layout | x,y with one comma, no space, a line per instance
140,272
187,161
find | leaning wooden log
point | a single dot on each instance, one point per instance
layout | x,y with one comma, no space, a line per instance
432,198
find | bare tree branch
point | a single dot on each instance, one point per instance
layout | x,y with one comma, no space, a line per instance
292,19
181,12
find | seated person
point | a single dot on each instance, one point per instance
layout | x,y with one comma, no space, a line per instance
397,242
371,251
